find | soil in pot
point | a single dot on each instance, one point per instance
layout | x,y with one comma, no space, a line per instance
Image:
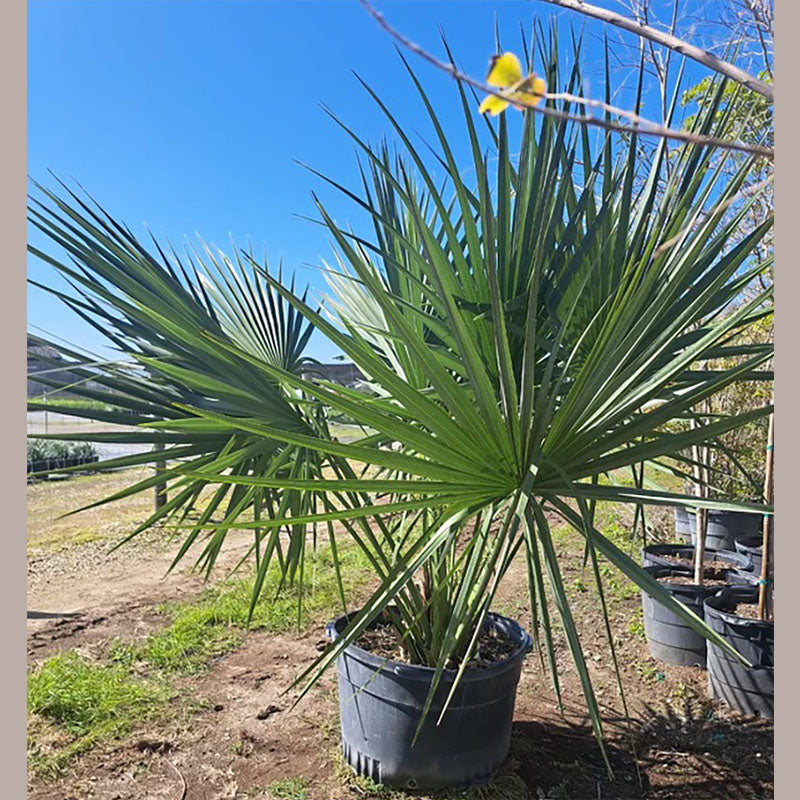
748,611
750,690
710,578
669,638
381,702
382,640
682,557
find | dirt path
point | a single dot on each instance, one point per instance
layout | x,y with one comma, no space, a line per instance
72,576
84,594
88,576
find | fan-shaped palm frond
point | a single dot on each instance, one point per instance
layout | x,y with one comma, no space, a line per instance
526,334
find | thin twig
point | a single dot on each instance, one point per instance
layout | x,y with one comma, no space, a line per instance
747,192
765,52
673,43
644,127
586,101
180,776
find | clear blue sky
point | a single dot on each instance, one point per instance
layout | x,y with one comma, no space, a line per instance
187,116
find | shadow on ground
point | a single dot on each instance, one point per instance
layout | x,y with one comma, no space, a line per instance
557,759
53,614
682,753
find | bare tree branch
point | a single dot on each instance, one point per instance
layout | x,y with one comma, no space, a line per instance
748,191
672,42
642,126
755,8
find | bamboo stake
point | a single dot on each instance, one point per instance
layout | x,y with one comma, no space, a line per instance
701,516
701,528
768,495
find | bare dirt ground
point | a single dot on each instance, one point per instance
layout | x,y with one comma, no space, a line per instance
70,568
231,733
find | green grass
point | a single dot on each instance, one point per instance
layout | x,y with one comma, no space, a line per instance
73,704
636,624
666,480
58,543
86,702
348,433
185,646
649,671
57,403
203,630
289,789
615,585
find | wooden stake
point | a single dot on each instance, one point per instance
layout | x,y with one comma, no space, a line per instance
768,496
701,516
160,499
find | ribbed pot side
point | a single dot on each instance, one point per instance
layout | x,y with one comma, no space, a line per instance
750,690
381,703
669,637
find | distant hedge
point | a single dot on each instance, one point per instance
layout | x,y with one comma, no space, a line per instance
49,454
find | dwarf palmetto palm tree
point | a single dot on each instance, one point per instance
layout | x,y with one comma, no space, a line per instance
523,335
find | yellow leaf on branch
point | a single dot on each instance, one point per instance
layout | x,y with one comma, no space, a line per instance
505,72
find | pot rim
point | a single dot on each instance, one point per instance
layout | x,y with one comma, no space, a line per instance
755,538
734,512
421,671
737,560
729,616
699,593
664,547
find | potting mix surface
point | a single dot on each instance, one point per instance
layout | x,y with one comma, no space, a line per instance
383,640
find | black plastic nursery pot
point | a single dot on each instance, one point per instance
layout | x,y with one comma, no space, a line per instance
381,703
669,638
750,690
724,527
752,547
659,555
683,525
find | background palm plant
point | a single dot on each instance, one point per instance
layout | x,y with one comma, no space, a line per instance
156,309
525,337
